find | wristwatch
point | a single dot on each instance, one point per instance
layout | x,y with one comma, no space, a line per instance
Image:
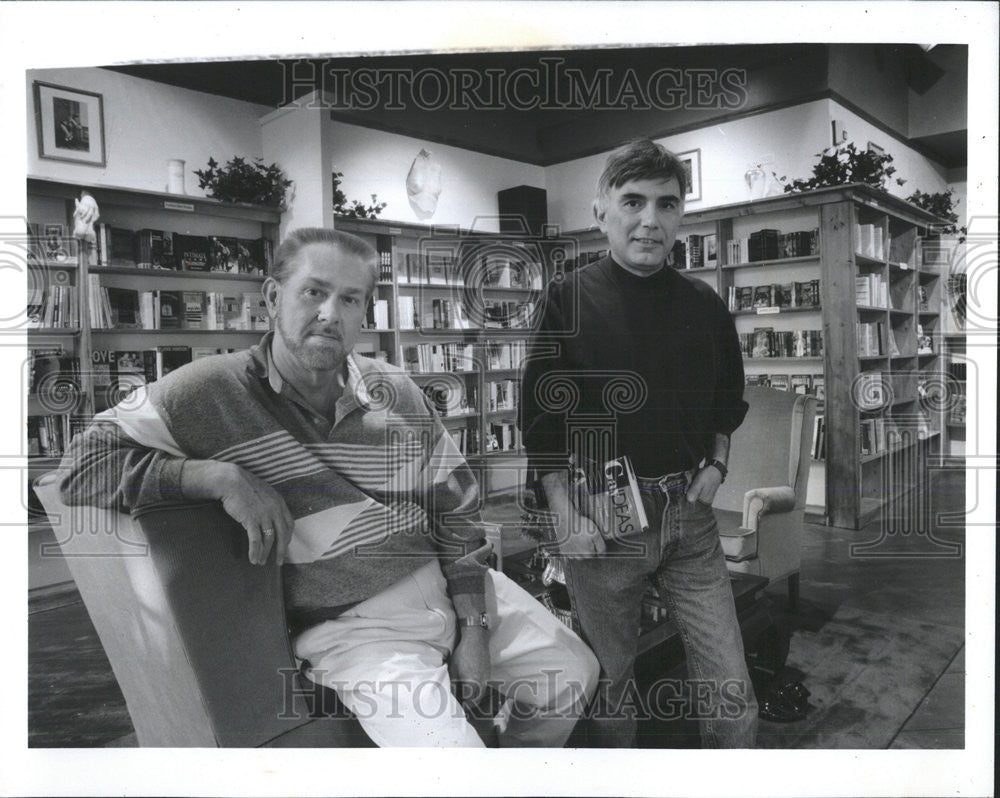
720,466
482,620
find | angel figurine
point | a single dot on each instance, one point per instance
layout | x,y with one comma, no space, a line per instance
85,216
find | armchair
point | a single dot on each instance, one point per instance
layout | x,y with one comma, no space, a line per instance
761,505
196,636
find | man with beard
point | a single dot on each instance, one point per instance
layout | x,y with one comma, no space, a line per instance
335,463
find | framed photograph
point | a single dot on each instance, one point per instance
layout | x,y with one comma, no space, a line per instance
692,168
70,124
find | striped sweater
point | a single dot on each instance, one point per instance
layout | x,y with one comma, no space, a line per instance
373,495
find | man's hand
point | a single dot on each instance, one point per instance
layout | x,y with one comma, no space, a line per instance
469,665
254,504
704,485
577,536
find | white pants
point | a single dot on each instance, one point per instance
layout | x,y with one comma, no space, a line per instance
387,659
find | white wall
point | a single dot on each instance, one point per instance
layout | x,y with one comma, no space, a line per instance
145,125
786,141
374,162
918,172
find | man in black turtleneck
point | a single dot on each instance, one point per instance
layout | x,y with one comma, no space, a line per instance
634,359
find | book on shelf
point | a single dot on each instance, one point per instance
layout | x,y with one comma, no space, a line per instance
51,369
48,435
710,248
120,247
801,383
124,306
223,254
502,438
154,250
764,245
194,310
870,241
169,358
872,339
780,382
819,437
763,296
255,315
757,379
192,253
407,318
762,342
169,309
819,387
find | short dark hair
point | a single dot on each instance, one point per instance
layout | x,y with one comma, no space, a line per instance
640,159
296,240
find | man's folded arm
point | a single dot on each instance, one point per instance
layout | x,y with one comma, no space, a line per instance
105,466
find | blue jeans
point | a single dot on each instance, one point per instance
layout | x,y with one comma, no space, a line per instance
683,558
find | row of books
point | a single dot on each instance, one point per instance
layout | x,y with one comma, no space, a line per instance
439,314
502,395
767,342
808,384
53,307
377,315
873,340
115,370
113,307
466,439
444,357
871,290
49,435
869,241
442,268
452,400
502,438
160,249
696,252
505,355
776,295
508,314
769,244
880,434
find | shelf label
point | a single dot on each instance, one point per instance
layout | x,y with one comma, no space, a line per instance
768,311
903,266
395,231
169,205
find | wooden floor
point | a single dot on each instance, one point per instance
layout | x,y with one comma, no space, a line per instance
75,701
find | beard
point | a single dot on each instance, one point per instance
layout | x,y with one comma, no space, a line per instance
312,353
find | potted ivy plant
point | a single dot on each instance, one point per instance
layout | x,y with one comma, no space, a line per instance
241,180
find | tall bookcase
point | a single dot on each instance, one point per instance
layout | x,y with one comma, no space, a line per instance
880,370
69,394
473,298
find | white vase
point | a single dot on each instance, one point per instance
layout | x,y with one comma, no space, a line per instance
175,176
756,182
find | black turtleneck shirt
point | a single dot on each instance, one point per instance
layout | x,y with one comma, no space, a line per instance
655,359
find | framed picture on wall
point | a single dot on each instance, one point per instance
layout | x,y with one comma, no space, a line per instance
70,124
692,168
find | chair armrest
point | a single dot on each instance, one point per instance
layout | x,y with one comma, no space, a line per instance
765,501
739,544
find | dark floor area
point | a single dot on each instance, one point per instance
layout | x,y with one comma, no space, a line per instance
877,638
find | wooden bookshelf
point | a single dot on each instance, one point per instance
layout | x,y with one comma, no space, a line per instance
51,202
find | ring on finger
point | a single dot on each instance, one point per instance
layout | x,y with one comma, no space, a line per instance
268,532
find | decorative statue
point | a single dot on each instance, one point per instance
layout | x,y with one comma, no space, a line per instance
423,185
85,216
